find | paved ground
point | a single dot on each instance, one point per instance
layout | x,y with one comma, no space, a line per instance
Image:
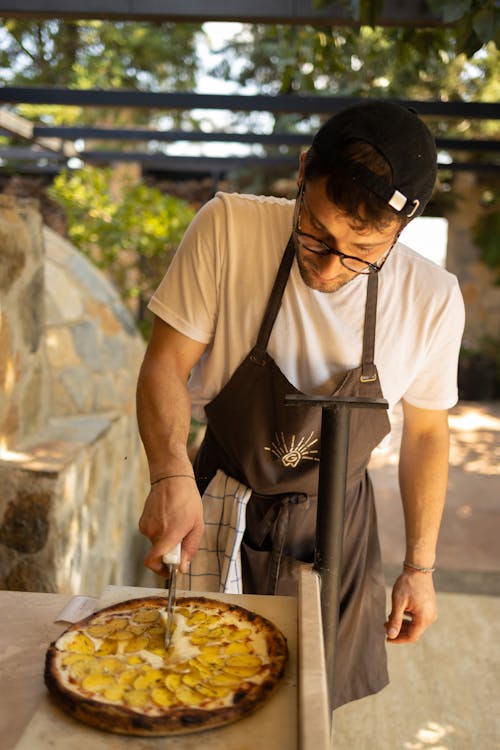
469,552
444,690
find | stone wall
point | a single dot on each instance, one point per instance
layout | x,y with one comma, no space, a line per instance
478,282
479,367
23,362
73,475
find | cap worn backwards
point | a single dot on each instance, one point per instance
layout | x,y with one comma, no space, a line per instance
403,140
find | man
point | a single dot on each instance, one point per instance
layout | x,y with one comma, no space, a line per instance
267,297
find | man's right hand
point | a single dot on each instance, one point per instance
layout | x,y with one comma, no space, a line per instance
173,513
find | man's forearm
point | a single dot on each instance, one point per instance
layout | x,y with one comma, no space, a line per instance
164,416
163,401
423,476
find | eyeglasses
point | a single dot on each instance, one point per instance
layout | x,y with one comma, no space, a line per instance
318,247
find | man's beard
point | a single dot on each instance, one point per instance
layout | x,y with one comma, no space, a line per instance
308,274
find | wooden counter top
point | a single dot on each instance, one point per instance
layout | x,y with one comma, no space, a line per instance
26,628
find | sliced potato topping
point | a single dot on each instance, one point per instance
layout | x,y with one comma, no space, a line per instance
134,660
114,693
100,631
121,635
188,696
69,659
213,691
163,697
127,677
235,647
250,661
81,644
173,681
147,678
138,643
124,659
192,679
242,672
137,698
97,682
112,664
146,615
107,647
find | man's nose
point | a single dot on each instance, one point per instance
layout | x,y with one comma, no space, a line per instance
330,262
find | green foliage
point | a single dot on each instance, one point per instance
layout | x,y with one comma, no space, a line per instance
474,22
106,54
126,228
371,62
97,54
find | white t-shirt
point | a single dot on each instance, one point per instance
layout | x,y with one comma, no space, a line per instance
218,284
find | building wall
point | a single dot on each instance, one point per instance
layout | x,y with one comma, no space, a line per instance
478,282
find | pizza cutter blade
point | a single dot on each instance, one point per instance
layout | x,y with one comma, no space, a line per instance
171,560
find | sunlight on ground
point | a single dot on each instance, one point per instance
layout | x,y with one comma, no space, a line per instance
475,441
429,736
475,444
474,419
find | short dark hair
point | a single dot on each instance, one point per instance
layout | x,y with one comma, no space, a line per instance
349,195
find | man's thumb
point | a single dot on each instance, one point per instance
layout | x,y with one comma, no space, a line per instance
393,626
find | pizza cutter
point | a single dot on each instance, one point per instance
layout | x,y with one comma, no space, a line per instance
172,560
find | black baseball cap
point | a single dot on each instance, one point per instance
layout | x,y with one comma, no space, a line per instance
403,140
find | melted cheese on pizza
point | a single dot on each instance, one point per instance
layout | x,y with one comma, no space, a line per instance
122,659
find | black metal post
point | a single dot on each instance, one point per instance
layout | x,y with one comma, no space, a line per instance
335,420
330,524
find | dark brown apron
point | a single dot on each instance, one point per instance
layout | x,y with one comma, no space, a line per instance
273,448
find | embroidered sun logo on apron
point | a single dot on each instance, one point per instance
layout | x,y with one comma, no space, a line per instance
291,455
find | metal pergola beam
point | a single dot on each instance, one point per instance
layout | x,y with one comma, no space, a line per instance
209,164
303,104
227,163
290,12
197,136
171,136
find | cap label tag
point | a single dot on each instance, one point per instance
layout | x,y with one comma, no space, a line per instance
398,201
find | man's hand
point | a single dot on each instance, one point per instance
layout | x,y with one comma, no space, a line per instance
413,607
172,513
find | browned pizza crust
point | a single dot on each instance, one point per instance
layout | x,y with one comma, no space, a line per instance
122,719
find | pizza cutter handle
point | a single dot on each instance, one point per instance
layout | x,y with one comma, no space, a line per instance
173,557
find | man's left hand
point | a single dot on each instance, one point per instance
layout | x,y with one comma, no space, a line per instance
413,607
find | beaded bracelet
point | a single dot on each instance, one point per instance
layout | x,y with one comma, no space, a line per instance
418,568
171,476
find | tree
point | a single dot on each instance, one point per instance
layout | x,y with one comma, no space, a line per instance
474,23
131,232
100,54
374,62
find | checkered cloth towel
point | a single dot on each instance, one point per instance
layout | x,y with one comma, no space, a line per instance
217,565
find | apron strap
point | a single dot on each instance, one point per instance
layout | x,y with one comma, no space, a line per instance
274,302
368,369
258,354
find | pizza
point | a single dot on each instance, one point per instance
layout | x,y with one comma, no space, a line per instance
112,671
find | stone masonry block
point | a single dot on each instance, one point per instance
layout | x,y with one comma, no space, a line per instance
25,524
